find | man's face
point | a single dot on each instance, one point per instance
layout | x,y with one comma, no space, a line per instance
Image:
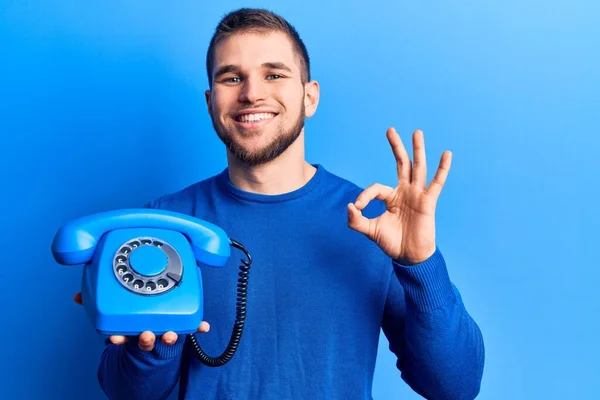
258,102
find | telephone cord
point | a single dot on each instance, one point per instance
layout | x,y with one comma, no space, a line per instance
240,316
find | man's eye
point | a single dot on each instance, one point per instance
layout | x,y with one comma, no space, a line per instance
233,79
274,76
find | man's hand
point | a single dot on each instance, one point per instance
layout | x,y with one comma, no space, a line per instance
147,338
406,230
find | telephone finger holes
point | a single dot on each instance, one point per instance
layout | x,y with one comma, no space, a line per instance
138,284
125,250
132,269
162,283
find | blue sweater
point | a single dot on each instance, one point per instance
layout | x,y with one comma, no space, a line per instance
319,296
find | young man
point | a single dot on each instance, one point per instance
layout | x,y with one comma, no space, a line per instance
332,264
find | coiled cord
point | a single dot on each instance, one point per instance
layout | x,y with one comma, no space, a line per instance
240,316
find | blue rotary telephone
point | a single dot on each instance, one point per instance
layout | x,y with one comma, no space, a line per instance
140,272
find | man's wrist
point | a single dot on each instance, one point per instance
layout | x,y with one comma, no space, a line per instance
409,262
427,284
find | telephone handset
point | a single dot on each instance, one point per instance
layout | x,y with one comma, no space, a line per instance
140,272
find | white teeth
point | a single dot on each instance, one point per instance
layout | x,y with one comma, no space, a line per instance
255,117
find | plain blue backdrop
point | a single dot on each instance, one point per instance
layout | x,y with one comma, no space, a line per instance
102,107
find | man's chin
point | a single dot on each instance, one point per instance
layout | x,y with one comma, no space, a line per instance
254,158
249,147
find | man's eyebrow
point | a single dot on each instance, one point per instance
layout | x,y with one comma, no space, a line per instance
277,65
225,69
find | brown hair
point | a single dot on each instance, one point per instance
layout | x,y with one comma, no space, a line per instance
259,21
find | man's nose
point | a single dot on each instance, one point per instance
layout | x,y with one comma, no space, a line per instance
253,90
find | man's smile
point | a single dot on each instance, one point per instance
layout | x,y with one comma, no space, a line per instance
252,120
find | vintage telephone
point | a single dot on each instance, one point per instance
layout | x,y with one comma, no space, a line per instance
140,272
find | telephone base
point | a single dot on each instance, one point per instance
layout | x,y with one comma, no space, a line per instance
115,307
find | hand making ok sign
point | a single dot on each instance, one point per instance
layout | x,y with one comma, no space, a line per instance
406,230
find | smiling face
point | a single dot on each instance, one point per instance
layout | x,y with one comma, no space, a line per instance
258,100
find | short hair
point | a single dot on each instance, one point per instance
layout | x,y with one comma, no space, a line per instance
256,20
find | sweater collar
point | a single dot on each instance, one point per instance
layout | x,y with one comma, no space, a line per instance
227,186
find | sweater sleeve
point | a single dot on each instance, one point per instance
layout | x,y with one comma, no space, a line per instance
439,348
127,372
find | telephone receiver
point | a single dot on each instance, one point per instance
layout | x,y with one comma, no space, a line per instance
140,272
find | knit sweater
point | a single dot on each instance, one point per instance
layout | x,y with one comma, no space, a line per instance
319,295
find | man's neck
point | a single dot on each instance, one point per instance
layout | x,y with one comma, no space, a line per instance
286,173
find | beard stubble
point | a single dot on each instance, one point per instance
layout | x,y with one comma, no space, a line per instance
283,139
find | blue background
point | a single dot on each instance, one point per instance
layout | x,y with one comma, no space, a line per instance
102,106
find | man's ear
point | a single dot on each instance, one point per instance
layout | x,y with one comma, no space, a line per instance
207,95
311,98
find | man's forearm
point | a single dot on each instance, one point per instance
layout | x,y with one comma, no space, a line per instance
444,350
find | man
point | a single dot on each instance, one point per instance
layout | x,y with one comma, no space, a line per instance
332,264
